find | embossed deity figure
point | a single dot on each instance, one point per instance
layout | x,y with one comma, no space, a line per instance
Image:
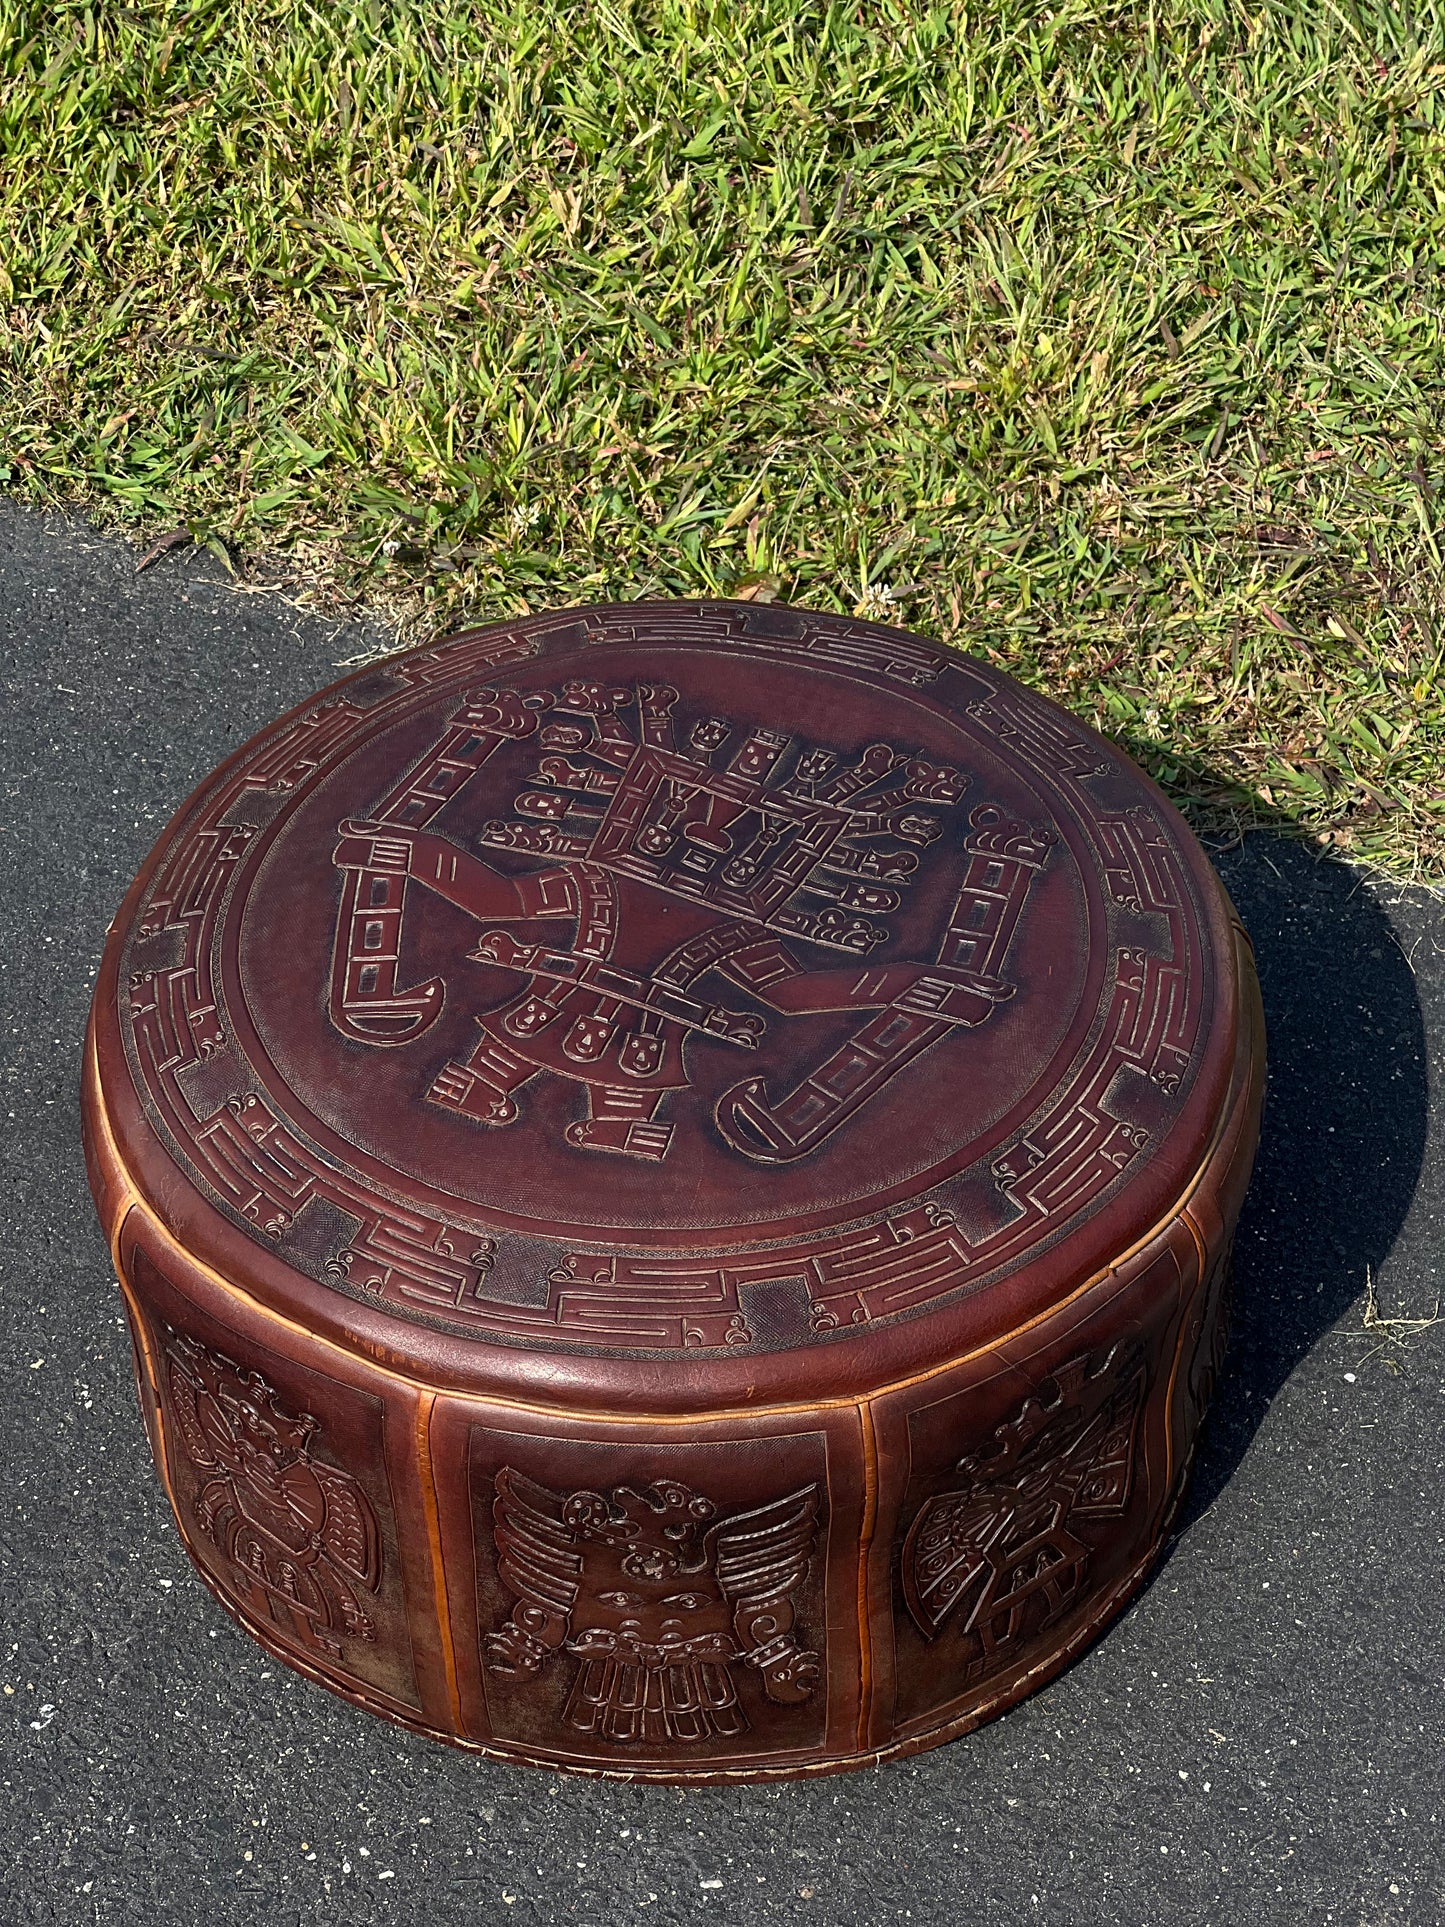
658,1599
668,874
301,1534
1001,1557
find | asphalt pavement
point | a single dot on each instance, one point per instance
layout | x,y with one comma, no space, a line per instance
1256,1740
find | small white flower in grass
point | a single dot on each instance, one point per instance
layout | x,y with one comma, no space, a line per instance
877,604
524,516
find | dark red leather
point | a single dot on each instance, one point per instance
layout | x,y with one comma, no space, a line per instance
672,1167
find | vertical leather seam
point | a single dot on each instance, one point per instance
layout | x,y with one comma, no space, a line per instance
865,1548
427,1479
143,1341
1201,1286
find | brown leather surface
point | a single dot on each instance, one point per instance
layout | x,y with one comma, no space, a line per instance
673,1168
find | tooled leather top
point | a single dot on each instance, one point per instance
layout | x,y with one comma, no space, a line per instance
674,988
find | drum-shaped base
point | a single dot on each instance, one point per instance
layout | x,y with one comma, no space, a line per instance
766,1593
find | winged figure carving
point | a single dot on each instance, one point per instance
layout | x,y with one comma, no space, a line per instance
301,1534
1002,1554
657,1598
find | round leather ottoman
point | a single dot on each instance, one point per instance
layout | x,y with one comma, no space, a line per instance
672,1168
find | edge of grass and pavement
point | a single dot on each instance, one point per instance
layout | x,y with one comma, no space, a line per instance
1105,340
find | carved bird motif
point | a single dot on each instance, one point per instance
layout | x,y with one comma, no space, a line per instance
301,1533
657,1598
1002,1555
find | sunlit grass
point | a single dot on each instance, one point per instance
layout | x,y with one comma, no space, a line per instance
1106,340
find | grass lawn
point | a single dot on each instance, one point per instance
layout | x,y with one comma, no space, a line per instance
1106,340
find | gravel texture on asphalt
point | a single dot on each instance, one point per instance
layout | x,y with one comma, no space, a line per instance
1257,1739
